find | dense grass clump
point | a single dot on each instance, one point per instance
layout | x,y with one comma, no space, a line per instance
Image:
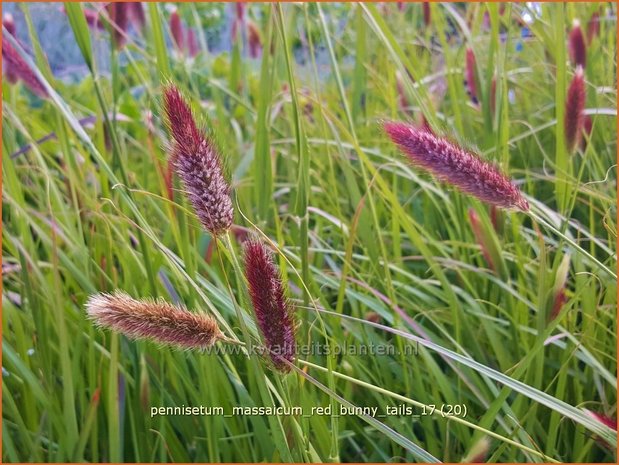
231,159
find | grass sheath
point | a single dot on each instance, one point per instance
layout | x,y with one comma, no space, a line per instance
155,320
459,167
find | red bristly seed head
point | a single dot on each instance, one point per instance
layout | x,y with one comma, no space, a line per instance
136,14
255,43
118,13
198,164
176,28
192,43
471,71
271,306
17,68
426,13
155,320
9,24
593,27
461,168
577,46
574,110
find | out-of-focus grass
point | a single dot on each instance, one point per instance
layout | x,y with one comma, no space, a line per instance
375,252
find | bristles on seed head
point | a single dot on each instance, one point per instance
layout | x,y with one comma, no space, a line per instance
136,14
255,43
192,43
176,28
119,17
471,72
198,164
427,19
17,68
593,27
574,110
271,306
155,320
577,46
461,168
9,23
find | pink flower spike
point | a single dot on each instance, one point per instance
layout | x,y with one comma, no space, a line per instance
471,72
426,14
452,164
176,28
255,43
19,69
192,43
136,14
271,306
198,164
577,47
155,320
574,110
593,27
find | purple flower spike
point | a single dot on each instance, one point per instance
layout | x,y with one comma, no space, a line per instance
452,164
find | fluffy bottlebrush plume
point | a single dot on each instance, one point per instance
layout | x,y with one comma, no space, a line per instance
271,307
176,28
427,19
192,43
9,24
136,14
253,37
19,69
574,107
155,320
452,164
577,47
593,27
119,17
240,10
471,72
198,164
480,238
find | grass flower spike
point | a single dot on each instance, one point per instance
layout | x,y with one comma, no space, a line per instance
577,47
17,68
176,28
452,164
574,110
198,164
272,308
471,84
155,320
9,24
